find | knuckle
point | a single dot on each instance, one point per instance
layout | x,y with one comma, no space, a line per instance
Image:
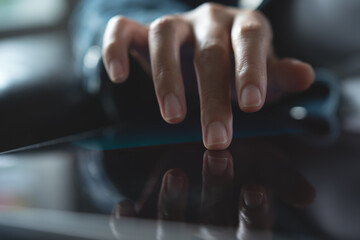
254,23
211,50
251,28
259,15
212,102
161,75
115,28
164,24
215,105
211,8
118,21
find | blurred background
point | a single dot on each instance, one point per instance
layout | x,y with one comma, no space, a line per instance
41,94
37,86
34,37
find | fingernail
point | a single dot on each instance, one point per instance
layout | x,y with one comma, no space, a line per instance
253,199
250,96
174,185
216,134
172,107
116,71
217,166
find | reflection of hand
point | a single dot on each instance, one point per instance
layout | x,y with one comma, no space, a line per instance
216,32
217,204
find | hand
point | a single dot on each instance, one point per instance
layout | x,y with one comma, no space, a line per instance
215,31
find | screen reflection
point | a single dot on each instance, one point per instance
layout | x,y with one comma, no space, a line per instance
219,195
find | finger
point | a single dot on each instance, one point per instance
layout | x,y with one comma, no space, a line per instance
251,39
254,213
292,187
124,224
217,190
212,65
290,74
272,168
121,34
173,196
296,190
166,35
124,209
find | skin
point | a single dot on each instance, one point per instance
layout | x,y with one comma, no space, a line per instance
215,32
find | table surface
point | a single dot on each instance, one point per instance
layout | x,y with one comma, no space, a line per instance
73,188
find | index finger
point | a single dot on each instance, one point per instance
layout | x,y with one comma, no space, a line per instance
121,33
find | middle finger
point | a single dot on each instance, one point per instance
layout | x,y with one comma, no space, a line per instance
212,65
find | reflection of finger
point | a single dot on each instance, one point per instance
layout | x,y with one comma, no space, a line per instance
290,74
296,190
287,183
212,65
124,224
166,36
271,168
173,196
121,33
124,209
217,192
251,38
254,213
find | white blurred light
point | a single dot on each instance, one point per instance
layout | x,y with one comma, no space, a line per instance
3,81
298,112
250,4
7,162
17,14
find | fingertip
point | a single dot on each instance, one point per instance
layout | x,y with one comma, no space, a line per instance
174,185
217,136
218,163
250,109
124,208
217,146
309,76
294,75
255,211
253,196
173,110
217,154
304,73
174,120
116,62
117,71
176,182
250,99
